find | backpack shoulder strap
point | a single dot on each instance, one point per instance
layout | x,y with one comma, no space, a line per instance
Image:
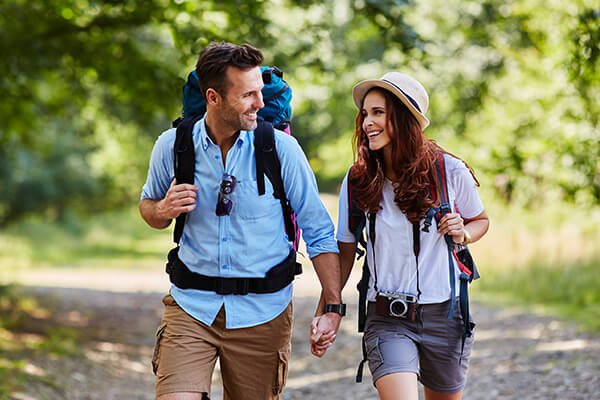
466,274
356,217
184,162
442,183
356,223
466,265
267,163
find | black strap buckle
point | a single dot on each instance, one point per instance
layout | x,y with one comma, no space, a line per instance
297,269
232,286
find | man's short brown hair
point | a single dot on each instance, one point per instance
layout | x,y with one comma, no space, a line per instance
214,60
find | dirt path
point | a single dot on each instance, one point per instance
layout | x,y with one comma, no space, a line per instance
516,355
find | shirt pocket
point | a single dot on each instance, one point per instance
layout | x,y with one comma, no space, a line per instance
251,206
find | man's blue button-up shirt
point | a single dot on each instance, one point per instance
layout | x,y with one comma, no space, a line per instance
252,239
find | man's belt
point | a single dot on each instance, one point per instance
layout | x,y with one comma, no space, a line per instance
277,277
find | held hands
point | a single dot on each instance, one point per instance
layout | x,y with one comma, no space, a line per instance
452,224
323,331
179,199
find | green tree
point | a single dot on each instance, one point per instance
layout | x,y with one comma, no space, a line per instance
90,83
94,82
512,85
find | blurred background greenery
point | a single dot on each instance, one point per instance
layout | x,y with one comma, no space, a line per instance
88,85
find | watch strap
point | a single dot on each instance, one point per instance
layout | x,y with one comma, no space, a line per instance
336,308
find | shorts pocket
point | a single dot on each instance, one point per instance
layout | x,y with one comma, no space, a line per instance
373,352
283,357
156,354
455,332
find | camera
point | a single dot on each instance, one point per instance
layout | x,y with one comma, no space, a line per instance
399,305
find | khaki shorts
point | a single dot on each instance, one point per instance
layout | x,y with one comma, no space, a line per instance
253,360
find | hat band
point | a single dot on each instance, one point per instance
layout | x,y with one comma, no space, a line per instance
412,101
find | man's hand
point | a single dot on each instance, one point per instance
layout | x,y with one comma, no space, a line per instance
180,198
323,331
324,327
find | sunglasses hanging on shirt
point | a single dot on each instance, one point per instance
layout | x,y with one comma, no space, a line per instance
224,203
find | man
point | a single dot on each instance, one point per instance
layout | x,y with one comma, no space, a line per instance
232,232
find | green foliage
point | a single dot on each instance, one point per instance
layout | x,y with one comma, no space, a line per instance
513,88
118,239
504,99
388,16
584,65
73,67
569,291
94,82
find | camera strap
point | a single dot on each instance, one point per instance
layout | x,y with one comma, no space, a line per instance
416,249
372,218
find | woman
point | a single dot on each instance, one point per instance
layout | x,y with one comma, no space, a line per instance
394,178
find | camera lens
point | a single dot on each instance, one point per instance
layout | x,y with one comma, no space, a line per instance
398,308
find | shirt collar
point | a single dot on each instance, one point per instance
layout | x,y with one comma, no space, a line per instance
206,141
204,138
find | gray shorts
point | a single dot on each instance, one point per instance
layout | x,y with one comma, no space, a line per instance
430,347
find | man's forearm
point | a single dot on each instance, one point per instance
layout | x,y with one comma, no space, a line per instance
346,258
150,211
327,266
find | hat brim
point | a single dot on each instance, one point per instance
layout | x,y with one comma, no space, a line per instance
360,90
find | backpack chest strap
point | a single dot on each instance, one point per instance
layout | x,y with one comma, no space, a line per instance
276,279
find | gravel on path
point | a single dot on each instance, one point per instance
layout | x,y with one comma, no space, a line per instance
517,355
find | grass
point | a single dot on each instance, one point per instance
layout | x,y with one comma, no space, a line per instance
571,292
118,239
20,340
544,261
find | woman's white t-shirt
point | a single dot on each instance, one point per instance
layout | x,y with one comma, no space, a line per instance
394,257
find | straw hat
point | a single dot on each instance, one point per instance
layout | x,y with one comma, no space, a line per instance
410,91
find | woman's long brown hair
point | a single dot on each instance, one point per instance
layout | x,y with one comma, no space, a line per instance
413,163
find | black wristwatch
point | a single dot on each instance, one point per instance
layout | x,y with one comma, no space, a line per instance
336,308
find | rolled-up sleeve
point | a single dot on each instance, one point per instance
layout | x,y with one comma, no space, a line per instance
160,169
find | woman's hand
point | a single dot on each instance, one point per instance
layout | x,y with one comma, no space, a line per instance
452,224
322,336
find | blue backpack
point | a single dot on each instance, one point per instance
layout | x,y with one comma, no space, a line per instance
276,113
277,96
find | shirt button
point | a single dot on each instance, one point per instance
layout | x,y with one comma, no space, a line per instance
224,239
